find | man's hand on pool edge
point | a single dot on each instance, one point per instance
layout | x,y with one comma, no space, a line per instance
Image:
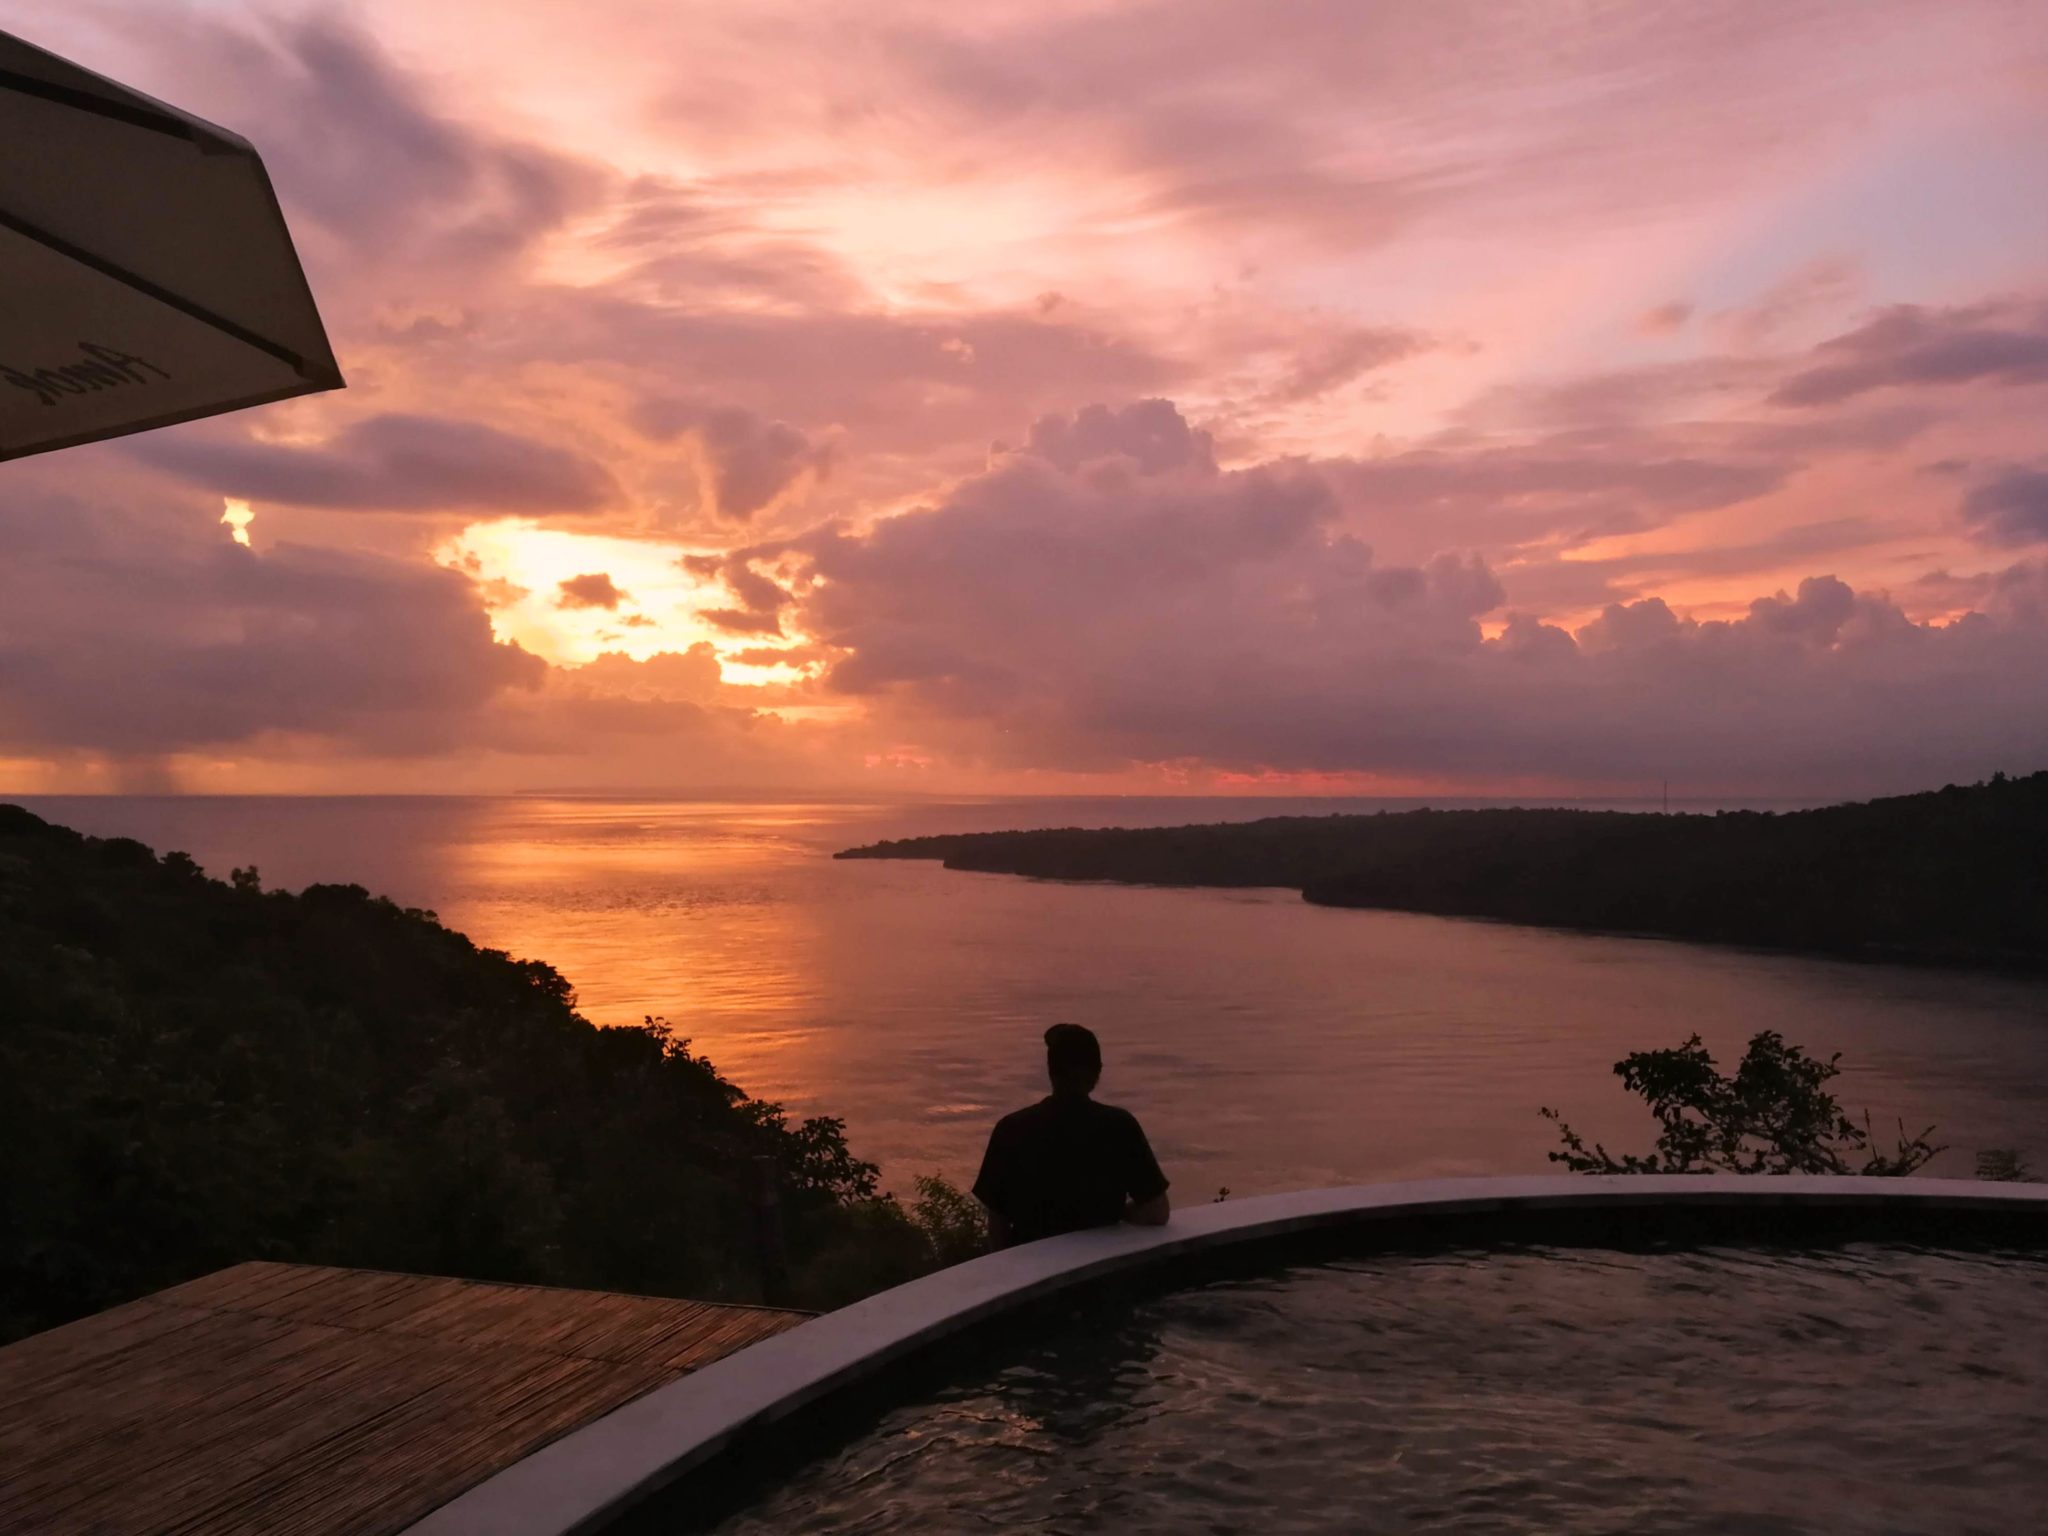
1149,1213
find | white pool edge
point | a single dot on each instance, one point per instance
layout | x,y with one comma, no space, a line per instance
594,1474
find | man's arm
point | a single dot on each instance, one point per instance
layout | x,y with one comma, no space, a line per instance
1149,1213
989,1184
1143,1182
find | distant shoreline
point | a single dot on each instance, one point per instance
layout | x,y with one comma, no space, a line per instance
758,795
1957,876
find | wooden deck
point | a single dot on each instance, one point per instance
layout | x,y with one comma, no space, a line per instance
293,1400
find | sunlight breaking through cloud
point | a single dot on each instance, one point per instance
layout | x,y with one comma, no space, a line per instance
653,603
238,515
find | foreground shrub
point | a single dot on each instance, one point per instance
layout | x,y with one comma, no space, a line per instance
1774,1115
196,1072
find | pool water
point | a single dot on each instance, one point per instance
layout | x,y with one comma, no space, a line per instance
1860,1389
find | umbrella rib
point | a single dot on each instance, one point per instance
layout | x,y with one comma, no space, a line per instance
86,101
162,295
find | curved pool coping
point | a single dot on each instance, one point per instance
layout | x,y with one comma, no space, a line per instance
595,1474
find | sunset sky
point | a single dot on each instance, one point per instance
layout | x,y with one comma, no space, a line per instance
1084,395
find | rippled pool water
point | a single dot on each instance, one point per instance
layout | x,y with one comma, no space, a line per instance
1865,1389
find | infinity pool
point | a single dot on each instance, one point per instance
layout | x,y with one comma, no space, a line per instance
1861,1389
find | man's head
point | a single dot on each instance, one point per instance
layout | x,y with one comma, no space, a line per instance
1073,1058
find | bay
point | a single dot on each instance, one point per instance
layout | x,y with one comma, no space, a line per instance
1266,1044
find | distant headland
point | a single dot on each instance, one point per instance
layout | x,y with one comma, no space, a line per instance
1955,875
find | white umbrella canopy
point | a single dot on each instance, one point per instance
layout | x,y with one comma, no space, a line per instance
146,275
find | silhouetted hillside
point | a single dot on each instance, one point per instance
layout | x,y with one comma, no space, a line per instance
195,1072
1955,874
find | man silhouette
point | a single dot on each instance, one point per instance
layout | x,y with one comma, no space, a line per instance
1068,1162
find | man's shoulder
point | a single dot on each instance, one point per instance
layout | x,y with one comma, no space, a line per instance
1021,1119
1117,1115
1051,1115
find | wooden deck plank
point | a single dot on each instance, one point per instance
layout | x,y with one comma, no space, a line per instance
294,1400
160,1428
61,1351
374,1387
718,1337
515,1417
351,1385
462,1417
245,1287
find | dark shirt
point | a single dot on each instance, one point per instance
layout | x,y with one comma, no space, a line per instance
1066,1163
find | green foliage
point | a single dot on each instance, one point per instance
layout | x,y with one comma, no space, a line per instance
196,1072
862,1245
854,1250
1773,1116
1950,875
954,1225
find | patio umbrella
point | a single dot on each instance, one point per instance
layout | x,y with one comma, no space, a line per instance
146,275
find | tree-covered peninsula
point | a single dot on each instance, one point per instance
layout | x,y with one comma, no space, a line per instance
196,1072
1958,874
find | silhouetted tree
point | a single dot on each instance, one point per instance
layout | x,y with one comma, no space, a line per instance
1774,1115
196,1072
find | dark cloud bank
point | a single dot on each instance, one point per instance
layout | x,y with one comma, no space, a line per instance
135,637
1108,593
1103,594
391,463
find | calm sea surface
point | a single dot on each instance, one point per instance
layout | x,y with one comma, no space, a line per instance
1267,1044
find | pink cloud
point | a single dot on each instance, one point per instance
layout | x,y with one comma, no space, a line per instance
1909,346
1664,319
137,638
2011,507
1453,485
1175,611
746,463
596,590
389,463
